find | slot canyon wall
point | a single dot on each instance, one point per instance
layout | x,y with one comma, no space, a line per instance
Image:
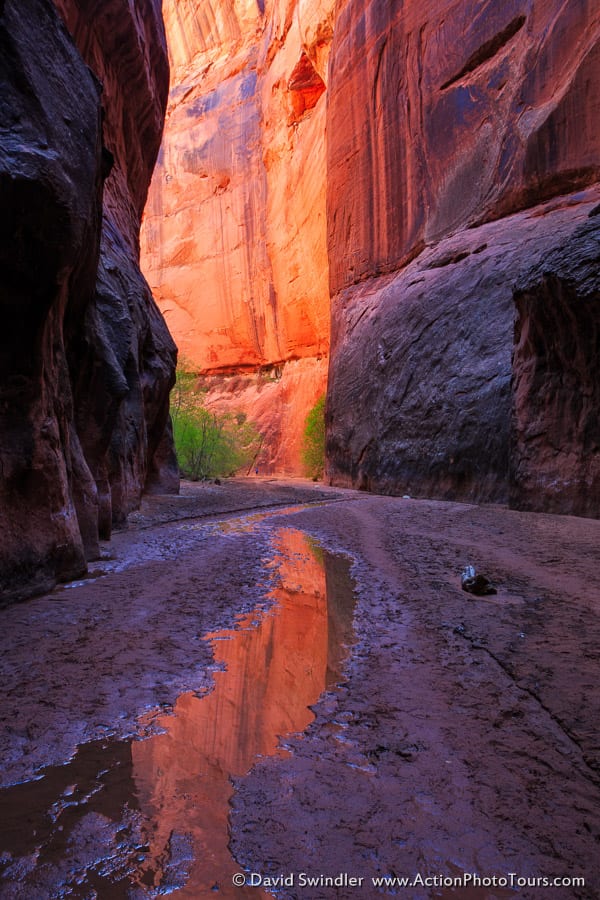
234,241
86,360
430,177
463,240
439,167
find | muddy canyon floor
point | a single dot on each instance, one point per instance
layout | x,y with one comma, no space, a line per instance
283,683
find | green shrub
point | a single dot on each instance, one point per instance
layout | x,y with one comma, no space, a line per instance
208,444
313,440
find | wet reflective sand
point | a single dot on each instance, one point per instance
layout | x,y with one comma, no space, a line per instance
148,817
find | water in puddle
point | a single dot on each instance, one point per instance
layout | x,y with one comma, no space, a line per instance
150,817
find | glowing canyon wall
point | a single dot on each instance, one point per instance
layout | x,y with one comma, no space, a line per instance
234,235
439,167
86,362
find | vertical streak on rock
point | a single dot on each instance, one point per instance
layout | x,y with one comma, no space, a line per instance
439,121
238,200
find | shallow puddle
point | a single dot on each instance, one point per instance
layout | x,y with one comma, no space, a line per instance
169,540
247,521
149,817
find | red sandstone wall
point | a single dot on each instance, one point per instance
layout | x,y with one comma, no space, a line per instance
125,48
50,188
125,355
442,118
429,162
234,236
86,361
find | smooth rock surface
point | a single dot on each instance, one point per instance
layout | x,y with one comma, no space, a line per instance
420,398
87,361
461,143
125,357
556,391
50,190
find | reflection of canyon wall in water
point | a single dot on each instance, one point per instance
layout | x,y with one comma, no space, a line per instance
234,236
433,172
147,817
86,362
274,672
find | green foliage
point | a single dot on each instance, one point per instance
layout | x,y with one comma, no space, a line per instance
208,444
313,440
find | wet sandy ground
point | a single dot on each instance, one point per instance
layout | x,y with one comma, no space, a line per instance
463,739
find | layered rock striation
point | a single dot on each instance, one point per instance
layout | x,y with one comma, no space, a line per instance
463,250
234,235
86,360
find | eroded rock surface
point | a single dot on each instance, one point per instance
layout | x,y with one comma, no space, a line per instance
422,384
440,121
234,237
87,361
556,397
442,118
418,159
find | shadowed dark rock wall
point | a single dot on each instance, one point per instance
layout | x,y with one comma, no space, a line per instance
86,362
450,130
556,361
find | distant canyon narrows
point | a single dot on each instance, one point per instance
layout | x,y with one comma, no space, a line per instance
234,241
427,181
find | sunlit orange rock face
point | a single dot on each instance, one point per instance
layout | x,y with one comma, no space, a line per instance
438,165
234,237
463,162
